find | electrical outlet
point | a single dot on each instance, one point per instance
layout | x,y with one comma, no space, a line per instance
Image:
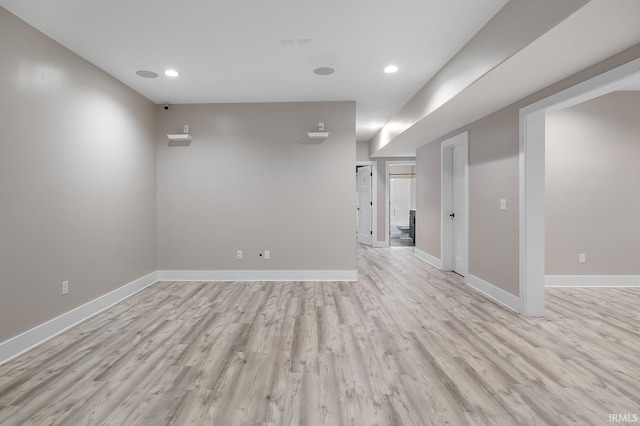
239,255
267,254
185,128
65,287
503,204
582,258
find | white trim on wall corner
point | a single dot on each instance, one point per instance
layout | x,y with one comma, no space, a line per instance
491,291
592,280
276,275
43,332
431,260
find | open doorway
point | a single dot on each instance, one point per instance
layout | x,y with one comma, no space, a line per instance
592,192
401,184
532,179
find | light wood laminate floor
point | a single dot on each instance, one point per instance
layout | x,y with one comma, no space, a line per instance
406,345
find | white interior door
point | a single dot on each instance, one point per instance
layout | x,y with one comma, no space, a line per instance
364,205
458,198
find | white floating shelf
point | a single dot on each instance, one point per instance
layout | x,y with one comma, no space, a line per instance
180,137
318,135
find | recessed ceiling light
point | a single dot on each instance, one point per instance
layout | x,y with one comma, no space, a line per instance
324,71
171,73
390,69
147,74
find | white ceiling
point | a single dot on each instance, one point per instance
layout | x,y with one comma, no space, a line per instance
231,50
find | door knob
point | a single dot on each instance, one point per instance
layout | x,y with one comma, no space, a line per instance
453,215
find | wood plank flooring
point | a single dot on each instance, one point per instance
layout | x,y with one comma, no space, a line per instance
406,345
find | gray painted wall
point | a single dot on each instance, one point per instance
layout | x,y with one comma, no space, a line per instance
82,155
362,151
592,200
77,180
251,181
493,175
428,200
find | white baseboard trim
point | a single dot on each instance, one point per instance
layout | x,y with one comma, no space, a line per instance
277,275
592,280
491,291
431,260
380,244
23,342
37,335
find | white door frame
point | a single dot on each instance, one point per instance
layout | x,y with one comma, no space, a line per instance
374,199
532,177
446,201
387,193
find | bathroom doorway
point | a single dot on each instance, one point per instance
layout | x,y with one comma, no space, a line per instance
402,203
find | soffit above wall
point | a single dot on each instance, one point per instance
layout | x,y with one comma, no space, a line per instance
633,84
568,48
